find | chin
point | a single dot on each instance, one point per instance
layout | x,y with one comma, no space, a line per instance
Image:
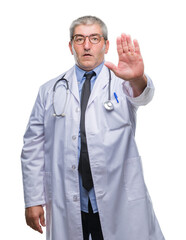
88,65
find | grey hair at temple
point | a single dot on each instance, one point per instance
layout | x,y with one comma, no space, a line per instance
89,20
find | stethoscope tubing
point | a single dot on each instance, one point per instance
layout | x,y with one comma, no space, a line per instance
109,90
107,104
67,92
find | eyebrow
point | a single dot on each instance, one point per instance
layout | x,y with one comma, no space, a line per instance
87,35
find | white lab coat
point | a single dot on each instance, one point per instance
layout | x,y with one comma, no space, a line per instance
50,161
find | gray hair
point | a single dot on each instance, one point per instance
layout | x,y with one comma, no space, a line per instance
89,20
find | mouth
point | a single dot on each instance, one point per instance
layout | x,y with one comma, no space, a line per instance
87,55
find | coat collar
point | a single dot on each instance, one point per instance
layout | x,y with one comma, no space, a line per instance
73,84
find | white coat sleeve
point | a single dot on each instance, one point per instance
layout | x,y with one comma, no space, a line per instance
32,157
145,97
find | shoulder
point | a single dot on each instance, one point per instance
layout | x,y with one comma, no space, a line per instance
47,87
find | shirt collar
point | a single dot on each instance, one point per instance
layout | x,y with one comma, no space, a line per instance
80,72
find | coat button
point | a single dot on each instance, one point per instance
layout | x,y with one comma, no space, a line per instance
77,109
73,137
75,198
73,167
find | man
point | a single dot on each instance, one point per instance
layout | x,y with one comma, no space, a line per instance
83,164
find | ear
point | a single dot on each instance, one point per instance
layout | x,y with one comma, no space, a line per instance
106,46
70,47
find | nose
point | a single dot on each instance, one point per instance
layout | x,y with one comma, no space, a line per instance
87,44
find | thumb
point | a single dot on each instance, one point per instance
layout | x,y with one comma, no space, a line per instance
111,66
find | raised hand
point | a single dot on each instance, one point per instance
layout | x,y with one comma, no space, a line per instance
130,65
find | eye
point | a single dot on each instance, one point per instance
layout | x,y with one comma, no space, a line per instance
79,39
95,38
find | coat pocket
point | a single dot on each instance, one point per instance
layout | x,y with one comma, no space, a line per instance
119,117
133,179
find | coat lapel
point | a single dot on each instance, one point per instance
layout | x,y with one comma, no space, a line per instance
73,85
101,82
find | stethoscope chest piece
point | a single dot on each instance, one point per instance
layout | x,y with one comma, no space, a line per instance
108,105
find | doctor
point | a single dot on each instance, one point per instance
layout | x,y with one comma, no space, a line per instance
84,168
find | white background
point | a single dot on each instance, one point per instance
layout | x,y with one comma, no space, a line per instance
34,48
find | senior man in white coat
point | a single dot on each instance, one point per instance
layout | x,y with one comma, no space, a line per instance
94,138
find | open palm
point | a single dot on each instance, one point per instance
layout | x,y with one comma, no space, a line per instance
130,65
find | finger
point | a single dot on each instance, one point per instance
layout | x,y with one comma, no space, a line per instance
36,226
136,45
119,46
42,220
111,66
130,45
124,43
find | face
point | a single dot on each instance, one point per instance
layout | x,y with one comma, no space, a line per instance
88,56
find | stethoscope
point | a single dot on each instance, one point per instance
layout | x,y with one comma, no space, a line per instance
107,104
53,99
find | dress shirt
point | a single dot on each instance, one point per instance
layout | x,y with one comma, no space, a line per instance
84,195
